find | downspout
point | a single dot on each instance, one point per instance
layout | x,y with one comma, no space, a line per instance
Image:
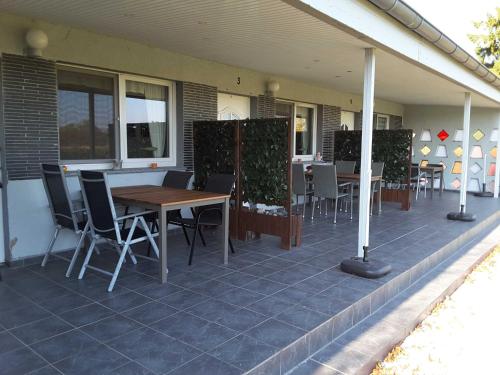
402,12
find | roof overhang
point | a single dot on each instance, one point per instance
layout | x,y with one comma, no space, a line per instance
321,42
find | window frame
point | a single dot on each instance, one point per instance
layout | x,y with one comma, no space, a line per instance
127,162
314,107
387,117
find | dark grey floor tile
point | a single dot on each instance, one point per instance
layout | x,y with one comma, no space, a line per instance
194,331
311,367
264,286
241,320
109,328
292,294
154,350
325,304
150,312
41,330
244,352
238,278
183,299
12,300
343,359
344,293
157,290
136,280
213,310
241,297
303,318
97,360
47,370
23,315
204,365
20,361
188,279
258,270
8,342
212,288
58,305
270,306
86,314
64,345
125,301
276,333
131,368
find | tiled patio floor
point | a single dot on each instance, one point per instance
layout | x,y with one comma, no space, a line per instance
209,318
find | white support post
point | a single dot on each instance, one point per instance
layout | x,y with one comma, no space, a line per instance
465,155
496,189
366,152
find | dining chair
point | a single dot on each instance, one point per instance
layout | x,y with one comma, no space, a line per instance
64,215
377,170
345,166
326,187
300,187
417,179
104,224
211,215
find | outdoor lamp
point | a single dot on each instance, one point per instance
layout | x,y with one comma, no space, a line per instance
37,41
273,87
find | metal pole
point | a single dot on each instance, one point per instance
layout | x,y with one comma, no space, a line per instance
496,189
366,152
465,155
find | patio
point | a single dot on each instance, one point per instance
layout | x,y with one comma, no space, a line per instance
265,312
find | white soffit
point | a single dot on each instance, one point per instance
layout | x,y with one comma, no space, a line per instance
269,36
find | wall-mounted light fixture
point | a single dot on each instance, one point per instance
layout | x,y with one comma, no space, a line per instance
37,41
273,87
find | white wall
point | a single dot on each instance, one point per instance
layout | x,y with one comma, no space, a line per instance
232,107
450,119
30,221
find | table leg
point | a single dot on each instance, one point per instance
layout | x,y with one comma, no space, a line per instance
380,198
163,245
432,184
441,182
225,225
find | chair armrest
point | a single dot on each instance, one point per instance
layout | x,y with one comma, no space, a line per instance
134,215
80,210
344,184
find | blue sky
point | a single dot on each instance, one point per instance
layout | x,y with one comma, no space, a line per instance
455,17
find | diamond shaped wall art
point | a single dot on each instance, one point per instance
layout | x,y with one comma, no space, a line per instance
491,170
478,135
455,184
475,168
474,185
425,150
494,135
458,136
457,167
458,151
442,135
425,136
441,152
476,153
493,152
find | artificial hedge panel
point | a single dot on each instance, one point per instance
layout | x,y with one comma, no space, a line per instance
214,149
390,146
265,161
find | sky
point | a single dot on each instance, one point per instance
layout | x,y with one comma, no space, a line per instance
455,17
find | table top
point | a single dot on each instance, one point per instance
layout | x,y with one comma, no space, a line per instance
161,196
348,176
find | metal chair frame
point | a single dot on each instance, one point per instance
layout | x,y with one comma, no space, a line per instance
299,185
123,245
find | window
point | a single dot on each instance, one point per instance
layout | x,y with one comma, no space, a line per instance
88,103
86,116
146,121
382,122
304,123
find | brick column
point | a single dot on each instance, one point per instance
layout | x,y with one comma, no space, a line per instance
330,121
30,115
266,106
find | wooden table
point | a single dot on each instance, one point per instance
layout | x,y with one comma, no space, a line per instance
355,177
162,200
432,170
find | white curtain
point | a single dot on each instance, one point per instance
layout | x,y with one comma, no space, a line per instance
158,132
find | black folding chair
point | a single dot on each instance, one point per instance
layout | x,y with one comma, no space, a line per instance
64,215
208,215
104,223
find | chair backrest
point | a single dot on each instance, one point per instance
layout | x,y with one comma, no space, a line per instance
298,179
378,168
177,179
56,189
220,183
345,166
325,181
415,171
99,204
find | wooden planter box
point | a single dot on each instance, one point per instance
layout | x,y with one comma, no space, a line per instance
290,233
396,195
